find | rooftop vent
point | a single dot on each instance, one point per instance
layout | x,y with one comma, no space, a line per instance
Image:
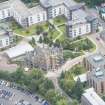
97,58
99,74
97,69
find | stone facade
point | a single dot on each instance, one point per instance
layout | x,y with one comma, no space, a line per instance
45,58
95,65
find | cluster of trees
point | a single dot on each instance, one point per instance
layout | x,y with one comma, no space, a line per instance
69,54
30,1
72,88
78,46
78,69
92,3
35,82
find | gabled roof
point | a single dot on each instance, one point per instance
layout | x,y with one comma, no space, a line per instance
20,7
49,3
19,50
4,5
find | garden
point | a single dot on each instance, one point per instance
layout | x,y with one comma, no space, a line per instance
72,88
77,47
32,30
35,82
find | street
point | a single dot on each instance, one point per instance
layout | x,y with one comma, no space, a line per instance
100,48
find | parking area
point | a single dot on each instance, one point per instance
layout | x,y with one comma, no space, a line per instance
11,95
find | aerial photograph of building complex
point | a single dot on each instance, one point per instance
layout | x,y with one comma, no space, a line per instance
52,52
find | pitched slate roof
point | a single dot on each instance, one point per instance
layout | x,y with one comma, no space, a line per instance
4,5
20,7
49,3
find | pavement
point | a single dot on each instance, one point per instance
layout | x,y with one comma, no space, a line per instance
54,75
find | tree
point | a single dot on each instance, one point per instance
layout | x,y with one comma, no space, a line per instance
33,41
16,76
46,40
77,91
62,102
40,39
36,74
75,102
57,43
45,33
39,29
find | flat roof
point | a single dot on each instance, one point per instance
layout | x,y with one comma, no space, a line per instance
4,5
82,77
92,97
19,50
96,60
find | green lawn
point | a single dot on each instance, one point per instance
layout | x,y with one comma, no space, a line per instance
28,31
69,54
59,20
64,36
81,45
54,33
77,70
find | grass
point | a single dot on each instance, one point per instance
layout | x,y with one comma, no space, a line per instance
28,31
54,33
69,54
77,70
64,36
59,20
33,29
82,45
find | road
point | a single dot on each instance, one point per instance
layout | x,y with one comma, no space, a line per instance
100,48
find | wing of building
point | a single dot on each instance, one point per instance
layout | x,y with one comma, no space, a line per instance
90,97
95,65
78,22
19,50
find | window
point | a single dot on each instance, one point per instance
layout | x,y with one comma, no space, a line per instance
3,14
8,12
102,87
38,17
96,87
93,84
79,31
60,11
74,32
44,17
7,42
54,12
0,42
87,28
31,20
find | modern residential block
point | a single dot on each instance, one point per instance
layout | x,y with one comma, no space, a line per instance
7,39
78,22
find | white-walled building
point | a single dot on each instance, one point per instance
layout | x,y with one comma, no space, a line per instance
38,14
7,39
78,22
90,97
